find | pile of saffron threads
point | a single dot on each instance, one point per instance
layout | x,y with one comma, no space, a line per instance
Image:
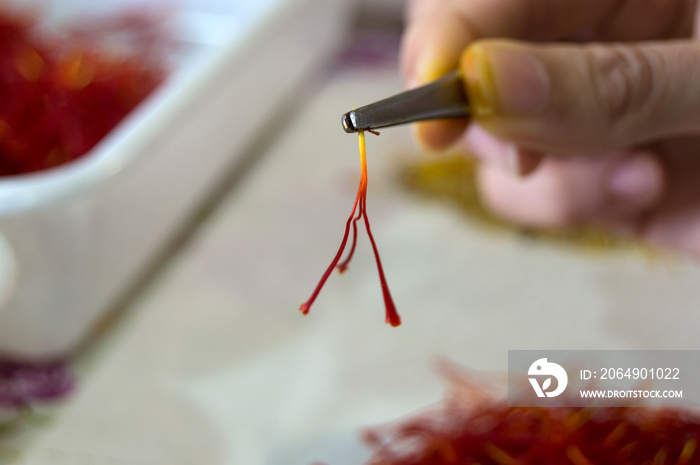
474,428
60,94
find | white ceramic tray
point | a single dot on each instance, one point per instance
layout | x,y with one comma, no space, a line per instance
79,235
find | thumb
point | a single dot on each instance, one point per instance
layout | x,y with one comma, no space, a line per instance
571,98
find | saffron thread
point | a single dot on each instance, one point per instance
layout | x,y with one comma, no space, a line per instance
359,211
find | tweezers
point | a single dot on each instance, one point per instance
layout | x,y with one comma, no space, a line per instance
443,98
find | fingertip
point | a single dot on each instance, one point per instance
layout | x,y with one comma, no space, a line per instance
514,160
411,45
440,134
535,201
431,47
440,52
636,183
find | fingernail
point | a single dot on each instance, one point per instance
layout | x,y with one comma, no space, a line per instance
637,181
480,85
505,78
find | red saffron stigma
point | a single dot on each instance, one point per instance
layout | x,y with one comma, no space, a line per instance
360,207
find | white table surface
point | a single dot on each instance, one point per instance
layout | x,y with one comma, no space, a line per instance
214,364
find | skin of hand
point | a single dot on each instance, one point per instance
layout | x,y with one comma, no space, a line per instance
585,111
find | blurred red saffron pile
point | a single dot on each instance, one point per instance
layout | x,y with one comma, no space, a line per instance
473,427
61,93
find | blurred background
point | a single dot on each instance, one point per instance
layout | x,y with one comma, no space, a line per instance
180,188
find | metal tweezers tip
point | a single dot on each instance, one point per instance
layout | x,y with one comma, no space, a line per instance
348,120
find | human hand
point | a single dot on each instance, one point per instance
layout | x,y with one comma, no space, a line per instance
604,133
